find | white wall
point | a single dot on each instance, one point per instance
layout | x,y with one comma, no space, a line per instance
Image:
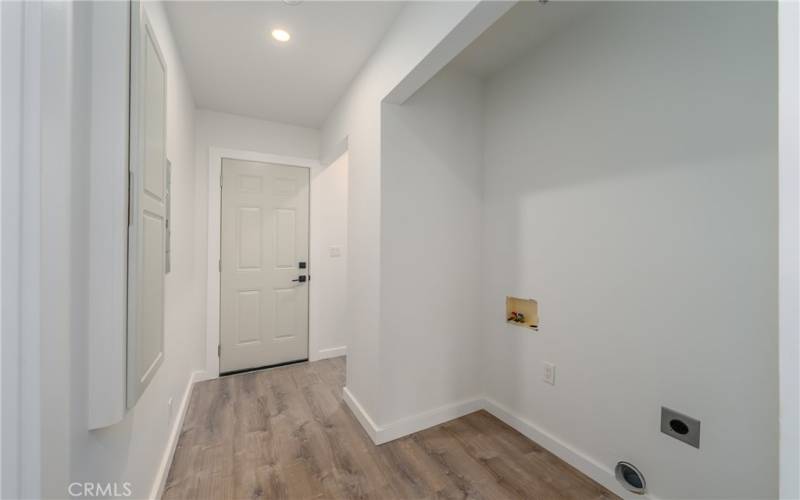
328,286
631,187
132,450
431,183
108,212
355,120
19,464
224,130
537,219
328,215
789,218
4,468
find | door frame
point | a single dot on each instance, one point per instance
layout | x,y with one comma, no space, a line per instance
215,157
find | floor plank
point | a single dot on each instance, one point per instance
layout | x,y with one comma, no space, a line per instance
285,433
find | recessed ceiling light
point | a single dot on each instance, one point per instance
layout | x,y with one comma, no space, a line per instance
281,35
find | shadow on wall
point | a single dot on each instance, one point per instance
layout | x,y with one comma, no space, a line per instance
630,184
430,246
328,296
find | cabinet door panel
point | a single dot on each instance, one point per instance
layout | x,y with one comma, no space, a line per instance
146,233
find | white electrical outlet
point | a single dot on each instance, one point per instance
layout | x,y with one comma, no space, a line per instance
549,375
335,251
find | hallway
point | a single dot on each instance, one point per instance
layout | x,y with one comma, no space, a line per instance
286,433
554,246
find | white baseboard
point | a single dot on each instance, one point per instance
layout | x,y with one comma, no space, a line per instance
169,452
576,458
427,419
331,352
409,425
361,415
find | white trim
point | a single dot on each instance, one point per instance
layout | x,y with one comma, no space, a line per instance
169,452
480,16
409,425
427,419
576,458
11,176
215,156
789,248
20,407
331,352
361,415
415,423
14,170
108,214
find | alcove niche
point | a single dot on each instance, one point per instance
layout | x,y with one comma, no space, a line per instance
522,312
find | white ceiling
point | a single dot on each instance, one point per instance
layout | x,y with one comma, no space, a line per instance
523,27
235,66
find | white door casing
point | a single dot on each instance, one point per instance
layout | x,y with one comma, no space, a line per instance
146,231
264,238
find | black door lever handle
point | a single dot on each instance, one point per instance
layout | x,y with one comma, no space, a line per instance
300,279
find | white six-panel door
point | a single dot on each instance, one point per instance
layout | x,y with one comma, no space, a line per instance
264,238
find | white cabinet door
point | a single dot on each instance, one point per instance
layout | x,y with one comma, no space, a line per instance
147,206
264,238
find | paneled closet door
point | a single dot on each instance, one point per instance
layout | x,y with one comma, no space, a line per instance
147,211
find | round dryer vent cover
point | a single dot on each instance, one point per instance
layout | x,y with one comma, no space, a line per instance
630,477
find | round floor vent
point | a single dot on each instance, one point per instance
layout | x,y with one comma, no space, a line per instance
630,477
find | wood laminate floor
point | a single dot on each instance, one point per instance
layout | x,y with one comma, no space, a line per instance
285,433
